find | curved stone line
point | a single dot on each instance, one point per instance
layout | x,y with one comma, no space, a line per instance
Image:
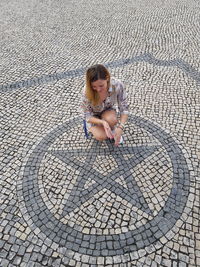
44,79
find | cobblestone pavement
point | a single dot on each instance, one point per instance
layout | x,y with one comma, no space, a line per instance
71,201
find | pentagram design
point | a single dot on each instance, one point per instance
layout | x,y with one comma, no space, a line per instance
132,194
126,157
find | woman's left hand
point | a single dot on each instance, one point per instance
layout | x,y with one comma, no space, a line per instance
117,135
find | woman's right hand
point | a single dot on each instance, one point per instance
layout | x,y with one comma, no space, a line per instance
107,129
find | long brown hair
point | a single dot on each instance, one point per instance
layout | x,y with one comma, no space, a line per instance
94,73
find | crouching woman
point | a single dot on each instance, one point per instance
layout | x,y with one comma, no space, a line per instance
104,104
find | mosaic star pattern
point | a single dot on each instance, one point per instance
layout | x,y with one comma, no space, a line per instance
71,201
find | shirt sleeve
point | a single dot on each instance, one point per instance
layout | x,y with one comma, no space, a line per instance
86,108
122,99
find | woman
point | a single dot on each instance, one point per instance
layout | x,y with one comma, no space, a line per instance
103,97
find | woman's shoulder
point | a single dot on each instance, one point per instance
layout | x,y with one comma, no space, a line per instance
116,84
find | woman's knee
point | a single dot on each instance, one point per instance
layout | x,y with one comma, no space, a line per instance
113,121
110,117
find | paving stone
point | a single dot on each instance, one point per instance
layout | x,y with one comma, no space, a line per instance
17,261
30,264
90,202
3,253
4,262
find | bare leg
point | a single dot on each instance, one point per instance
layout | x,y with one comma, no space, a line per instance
111,117
98,131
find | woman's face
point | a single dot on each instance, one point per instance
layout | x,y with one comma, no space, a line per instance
100,86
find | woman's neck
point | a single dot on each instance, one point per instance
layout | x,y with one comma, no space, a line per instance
103,96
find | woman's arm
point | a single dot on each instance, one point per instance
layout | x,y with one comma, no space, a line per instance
95,120
120,128
102,123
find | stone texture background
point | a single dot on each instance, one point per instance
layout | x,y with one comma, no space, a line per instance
153,47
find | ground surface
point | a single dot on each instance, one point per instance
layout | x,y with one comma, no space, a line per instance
71,201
